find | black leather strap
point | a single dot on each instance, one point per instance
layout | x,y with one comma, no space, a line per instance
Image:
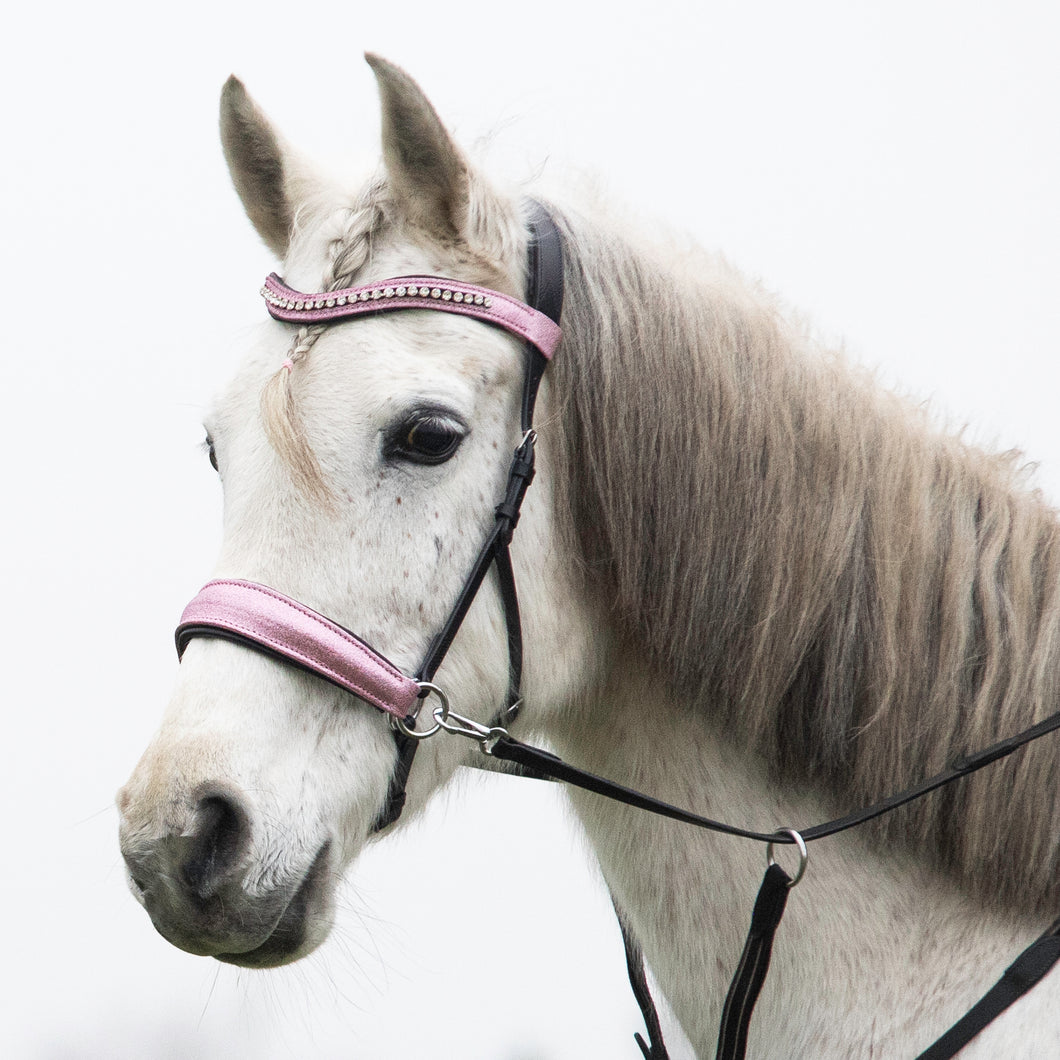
654,1048
534,760
1021,976
545,294
395,795
1024,973
754,964
510,601
472,583
961,768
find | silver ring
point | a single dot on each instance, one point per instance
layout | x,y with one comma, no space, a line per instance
804,857
442,711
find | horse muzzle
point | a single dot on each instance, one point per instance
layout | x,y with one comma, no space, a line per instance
195,882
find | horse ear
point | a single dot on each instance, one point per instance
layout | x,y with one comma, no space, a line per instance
269,177
427,171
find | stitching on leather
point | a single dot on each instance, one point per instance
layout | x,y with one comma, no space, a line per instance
362,649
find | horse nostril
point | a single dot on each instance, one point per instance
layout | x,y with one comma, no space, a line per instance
219,838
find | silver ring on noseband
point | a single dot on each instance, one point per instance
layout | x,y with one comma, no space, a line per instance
804,857
441,712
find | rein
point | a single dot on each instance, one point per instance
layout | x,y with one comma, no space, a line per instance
267,621
1023,974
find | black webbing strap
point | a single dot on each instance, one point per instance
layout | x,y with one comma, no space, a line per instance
1025,972
754,964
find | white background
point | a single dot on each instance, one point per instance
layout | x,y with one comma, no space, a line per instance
892,169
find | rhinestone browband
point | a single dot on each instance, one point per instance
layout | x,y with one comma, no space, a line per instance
412,292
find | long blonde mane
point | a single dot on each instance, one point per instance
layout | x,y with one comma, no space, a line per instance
844,587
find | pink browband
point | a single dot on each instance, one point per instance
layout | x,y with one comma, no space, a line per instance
247,611
412,292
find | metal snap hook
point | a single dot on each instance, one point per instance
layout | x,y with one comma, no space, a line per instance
486,735
804,856
441,713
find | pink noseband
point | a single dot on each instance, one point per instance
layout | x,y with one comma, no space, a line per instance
298,634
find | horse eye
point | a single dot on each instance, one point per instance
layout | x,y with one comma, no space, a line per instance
427,439
211,452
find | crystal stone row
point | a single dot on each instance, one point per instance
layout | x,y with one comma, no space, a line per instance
374,294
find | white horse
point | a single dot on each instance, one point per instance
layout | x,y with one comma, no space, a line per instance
752,584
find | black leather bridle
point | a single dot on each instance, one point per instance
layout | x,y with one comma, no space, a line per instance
544,294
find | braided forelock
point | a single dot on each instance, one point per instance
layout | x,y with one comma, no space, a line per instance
348,253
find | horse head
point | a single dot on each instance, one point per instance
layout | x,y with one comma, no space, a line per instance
361,462
763,589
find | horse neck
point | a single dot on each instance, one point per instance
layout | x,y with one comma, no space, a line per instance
874,948
852,596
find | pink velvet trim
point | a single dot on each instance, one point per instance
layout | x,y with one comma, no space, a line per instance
299,633
412,292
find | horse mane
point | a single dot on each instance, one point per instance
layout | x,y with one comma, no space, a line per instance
847,589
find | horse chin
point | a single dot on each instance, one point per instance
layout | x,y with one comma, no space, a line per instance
303,925
222,926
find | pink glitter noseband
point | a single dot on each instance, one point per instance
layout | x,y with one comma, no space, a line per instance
279,626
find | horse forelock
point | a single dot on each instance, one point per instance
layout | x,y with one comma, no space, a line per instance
842,585
348,250
351,234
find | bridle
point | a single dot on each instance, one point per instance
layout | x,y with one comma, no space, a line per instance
270,622
267,621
